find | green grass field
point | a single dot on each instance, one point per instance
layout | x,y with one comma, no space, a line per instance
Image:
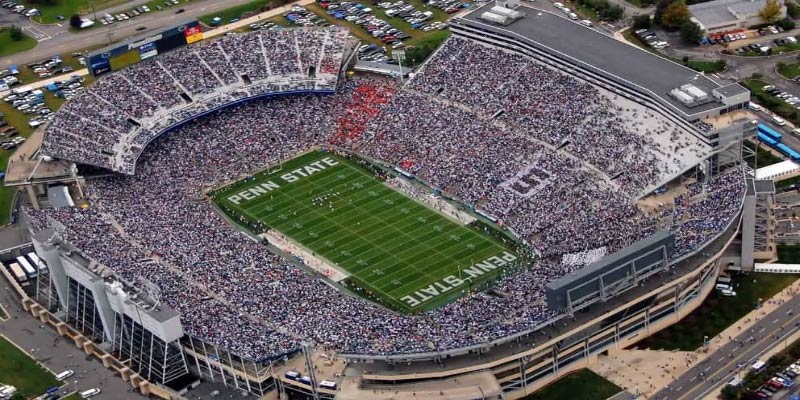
9,46
392,248
582,384
20,371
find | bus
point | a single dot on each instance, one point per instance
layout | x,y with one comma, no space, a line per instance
19,275
38,262
27,267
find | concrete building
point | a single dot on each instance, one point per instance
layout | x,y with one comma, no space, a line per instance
725,15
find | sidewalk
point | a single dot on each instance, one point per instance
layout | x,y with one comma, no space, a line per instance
648,371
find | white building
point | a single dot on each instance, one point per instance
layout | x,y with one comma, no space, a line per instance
725,15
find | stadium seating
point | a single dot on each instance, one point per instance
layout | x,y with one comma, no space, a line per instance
125,110
562,166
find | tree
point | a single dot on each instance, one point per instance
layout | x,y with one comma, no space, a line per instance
771,11
75,21
792,9
787,24
661,6
641,22
612,13
675,15
16,33
691,33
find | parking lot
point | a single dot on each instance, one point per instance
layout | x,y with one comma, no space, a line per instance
47,347
8,17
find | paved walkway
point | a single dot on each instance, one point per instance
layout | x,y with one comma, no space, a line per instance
648,371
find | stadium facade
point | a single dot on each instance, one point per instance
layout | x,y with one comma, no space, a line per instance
609,313
123,317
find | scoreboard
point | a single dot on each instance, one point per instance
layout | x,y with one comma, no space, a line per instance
140,48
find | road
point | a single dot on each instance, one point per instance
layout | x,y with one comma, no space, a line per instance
743,350
59,40
58,354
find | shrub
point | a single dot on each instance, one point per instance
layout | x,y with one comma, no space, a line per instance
16,33
642,22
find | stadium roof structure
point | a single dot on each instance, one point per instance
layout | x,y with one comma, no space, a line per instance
594,48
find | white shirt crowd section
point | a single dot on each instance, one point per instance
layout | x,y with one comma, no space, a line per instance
98,127
233,292
583,258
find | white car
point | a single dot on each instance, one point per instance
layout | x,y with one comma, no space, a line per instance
89,393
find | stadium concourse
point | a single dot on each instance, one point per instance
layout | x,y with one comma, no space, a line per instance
560,162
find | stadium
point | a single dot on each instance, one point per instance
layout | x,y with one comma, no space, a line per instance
248,213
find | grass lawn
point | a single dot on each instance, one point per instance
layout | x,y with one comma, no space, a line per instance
707,66
389,247
765,157
66,8
22,372
718,312
235,12
579,385
9,46
790,71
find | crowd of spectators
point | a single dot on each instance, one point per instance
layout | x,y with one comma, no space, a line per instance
124,110
555,108
443,127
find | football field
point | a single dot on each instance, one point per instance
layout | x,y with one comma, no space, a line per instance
392,248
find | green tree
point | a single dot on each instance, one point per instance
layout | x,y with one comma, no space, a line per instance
75,21
612,13
661,6
691,33
771,11
787,23
676,14
792,9
16,33
642,22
